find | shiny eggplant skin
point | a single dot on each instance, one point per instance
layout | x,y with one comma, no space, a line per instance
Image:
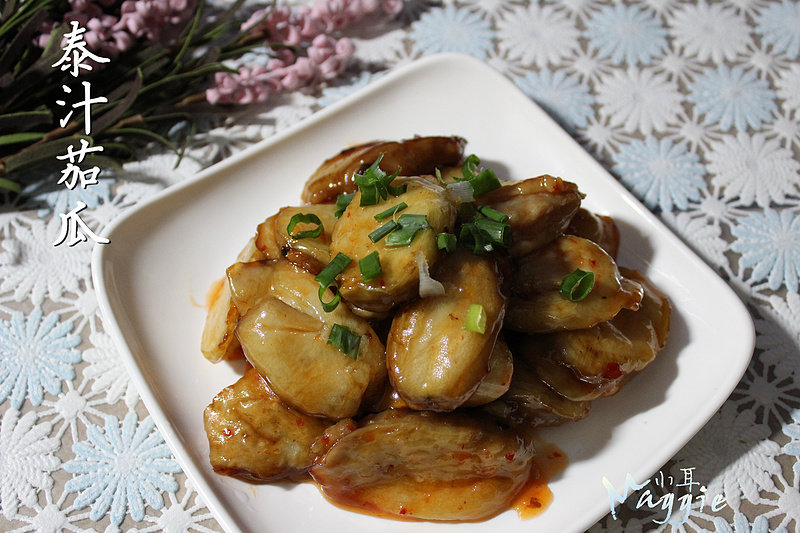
537,306
531,402
600,229
498,380
309,253
284,334
219,341
433,361
424,465
539,209
254,436
412,157
399,280
600,359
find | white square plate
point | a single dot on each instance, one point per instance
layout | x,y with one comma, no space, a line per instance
152,279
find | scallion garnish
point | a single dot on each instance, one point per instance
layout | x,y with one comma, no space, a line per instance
345,340
493,214
481,182
469,166
383,231
391,211
474,239
370,266
498,233
304,218
446,242
438,174
484,182
409,225
333,269
333,302
342,201
476,319
327,278
375,184
577,285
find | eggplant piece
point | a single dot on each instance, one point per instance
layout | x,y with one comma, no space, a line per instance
219,342
253,435
498,380
600,229
399,279
536,305
433,361
539,209
424,465
412,157
606,355
531,402
309,253
284,334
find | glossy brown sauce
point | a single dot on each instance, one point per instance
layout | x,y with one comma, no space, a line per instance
531,501
536,495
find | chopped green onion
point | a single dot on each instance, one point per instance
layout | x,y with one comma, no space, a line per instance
497,233
342,201
383,231
467,212
481,182
438,174
484,182
345,340
327,278
409,226
476,319
375,184
370,266
577,285
391,211
469,166
306,218
396,190
446,242
474,239
370,195
328,274
333,302
493,214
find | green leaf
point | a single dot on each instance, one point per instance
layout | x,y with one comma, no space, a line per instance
10,185
145,133
17,138
110,117
25,119
41,152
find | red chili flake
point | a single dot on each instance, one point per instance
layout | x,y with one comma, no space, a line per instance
613,371
227,431
510,456
299,421
403,510
533,502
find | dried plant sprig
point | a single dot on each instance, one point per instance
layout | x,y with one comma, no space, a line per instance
165,53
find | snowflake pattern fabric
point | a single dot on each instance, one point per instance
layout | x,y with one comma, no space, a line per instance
693,106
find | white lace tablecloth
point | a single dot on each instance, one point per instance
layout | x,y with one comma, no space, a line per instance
694,106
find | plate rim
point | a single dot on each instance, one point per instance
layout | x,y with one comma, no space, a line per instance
112,326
